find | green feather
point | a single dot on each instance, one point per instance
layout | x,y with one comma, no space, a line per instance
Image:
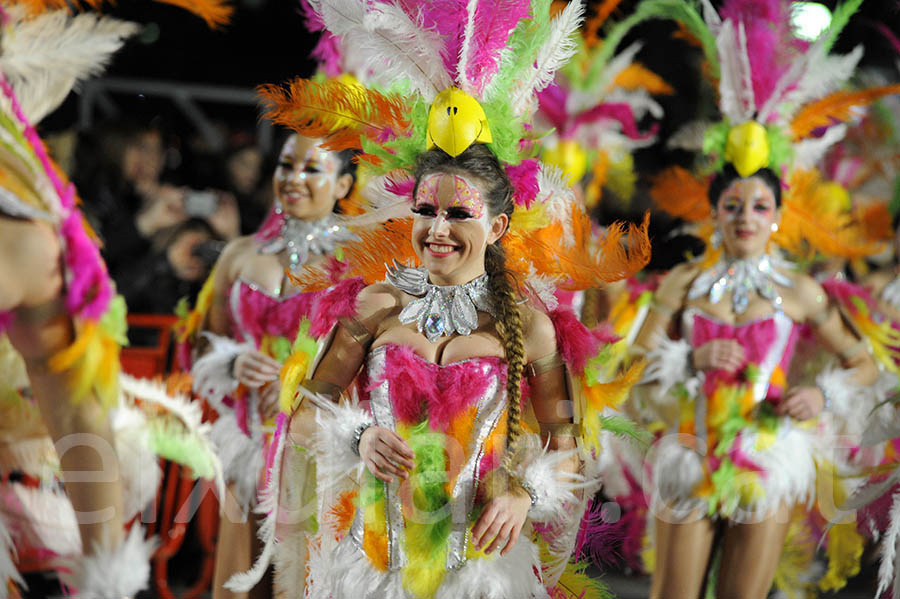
171,441
839,19
114,322
626,428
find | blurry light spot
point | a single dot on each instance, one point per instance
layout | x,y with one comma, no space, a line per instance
149,34
809,19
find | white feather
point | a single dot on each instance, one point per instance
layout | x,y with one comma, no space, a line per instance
212,375
41,518
888,569
554,489
825,74
616,65
397,49
8,570
556,51
790,77
46,56
468,32
639,100
188,413
112,573
341,17
668,364
712,18
809,152
735,84
689,136
139,469
241,459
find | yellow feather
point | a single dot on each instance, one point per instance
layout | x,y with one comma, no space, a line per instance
92,362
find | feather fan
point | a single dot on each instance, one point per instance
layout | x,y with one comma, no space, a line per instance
338,112
46,56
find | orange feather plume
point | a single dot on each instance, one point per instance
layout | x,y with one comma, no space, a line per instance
623,251
836,107
808,225
601,13
875,220
367,258
340,113
683,195
215,12
636,77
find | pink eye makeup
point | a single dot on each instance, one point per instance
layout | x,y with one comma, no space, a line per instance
465,204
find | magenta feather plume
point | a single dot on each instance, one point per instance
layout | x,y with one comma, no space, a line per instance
620,112
332,305
771,45
493,23
552,106
524,180
89,289
448,18
577,344
328,51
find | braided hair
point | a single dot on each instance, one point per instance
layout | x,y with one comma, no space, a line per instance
479,162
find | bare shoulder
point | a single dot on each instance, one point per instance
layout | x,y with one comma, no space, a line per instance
234,250
808,292
377,299
673,287
878,280
539,333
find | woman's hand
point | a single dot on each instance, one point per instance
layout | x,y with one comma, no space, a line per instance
802,403
385,453
254,369
268,400
502,521
719,354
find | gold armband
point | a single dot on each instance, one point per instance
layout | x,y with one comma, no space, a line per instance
358,331
560,429
545,364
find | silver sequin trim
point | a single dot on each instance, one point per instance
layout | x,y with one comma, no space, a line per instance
300,238
741,278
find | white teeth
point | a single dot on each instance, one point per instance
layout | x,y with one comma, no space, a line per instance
441,249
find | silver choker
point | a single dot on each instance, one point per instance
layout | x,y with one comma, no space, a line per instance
441,310
303,237
741,277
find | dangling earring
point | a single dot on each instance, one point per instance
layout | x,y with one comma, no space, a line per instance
774,227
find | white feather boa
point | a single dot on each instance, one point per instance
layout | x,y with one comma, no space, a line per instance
668,364
212,374
112,572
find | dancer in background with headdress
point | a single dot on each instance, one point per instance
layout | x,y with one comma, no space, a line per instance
58,308
470,483
746,435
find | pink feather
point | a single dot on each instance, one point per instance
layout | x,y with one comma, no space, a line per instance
552,106
575,342
263,315
889,35
524,180
771,45
271,226
616,112
333,304
448,18
411,383
494,21
740,458
6,319
400,186
89,290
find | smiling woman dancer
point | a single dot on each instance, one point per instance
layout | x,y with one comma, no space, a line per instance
254,316
469,483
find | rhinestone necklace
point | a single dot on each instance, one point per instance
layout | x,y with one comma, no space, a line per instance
741,277
303,237
441,310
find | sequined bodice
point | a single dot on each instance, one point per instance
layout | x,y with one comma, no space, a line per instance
256,313
458,409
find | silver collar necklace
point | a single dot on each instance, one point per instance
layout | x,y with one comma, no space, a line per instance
441,310
741,277
304,237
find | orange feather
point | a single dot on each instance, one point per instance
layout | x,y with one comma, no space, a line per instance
678,192
836,107
336,111
875,220
636,76
592,26
216,13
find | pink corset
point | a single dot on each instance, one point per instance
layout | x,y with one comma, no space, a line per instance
768,346
256,313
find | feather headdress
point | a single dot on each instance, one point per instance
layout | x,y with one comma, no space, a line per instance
593,107
781,98
501,54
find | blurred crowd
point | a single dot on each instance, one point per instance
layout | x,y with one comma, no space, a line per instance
164,207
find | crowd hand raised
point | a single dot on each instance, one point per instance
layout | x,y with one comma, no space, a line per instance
385,453
501,522
719,354
801,403
163,207
268,399
254,369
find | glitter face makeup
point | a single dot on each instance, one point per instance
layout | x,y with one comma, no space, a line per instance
305,178
745,213
451,228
